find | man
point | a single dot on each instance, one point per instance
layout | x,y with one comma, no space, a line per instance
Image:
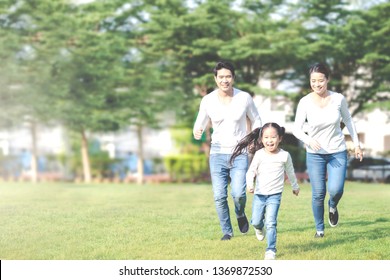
228,109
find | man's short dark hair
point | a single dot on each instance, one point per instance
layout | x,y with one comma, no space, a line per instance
225,65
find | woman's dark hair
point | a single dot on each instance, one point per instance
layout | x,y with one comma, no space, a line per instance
251,140
223,64
320,68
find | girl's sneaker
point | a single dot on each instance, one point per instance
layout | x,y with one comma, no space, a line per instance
259,234
270,255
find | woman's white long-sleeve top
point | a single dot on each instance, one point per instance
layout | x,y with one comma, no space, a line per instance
324,124
269,171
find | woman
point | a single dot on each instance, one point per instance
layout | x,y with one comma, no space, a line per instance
326,150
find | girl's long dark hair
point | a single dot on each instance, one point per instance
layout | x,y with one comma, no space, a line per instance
251,141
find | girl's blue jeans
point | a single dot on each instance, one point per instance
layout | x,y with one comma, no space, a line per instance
221,173
265,210
322,168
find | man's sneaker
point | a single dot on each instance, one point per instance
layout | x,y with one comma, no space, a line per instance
259,234
319,235
333,217
243,224
270,255
226,237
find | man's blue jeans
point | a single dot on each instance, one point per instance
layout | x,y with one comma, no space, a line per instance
221,170
266,207
322,167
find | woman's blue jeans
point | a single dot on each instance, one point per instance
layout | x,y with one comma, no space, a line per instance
323,167
221,172
266,207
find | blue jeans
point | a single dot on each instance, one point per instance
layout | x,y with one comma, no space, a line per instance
221,171
322,167
266,207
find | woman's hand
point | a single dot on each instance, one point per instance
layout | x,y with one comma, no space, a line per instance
358,153
314,145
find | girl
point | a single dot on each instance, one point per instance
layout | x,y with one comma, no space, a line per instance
268,166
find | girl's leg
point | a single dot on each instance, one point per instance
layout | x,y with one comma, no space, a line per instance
271,215
258,211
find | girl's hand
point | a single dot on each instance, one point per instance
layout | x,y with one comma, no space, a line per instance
250,189
296,192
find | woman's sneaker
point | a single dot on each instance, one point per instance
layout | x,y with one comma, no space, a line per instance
270,255
259,234
333,217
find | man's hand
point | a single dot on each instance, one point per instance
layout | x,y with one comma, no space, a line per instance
198,133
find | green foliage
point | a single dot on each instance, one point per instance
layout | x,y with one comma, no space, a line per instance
100,160
110,64
188,164
298,156
187,167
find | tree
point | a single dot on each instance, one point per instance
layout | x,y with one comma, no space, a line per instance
343,38
376,59
29,64
88,74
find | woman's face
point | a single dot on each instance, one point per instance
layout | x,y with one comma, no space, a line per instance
318,83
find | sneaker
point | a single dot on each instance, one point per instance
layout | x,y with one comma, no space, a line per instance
333,217
243,224
270,255
259,234
319,235
226,237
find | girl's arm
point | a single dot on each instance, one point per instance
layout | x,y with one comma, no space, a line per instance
289,168
251,174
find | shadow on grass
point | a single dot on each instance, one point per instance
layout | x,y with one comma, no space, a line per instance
349,232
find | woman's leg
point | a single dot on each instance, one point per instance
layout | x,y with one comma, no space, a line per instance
316,168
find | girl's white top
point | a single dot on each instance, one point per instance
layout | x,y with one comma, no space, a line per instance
324,124
228,120
269,171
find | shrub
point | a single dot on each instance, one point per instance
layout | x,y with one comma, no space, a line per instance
186,167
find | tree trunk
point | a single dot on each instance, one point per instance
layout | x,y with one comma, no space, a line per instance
140,163
34,153
85,158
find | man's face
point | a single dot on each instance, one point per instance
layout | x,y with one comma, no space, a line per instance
224,80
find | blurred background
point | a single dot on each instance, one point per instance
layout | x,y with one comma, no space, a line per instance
109,90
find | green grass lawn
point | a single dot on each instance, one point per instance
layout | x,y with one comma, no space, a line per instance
63,221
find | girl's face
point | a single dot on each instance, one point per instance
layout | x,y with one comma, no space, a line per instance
319,83
271,139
